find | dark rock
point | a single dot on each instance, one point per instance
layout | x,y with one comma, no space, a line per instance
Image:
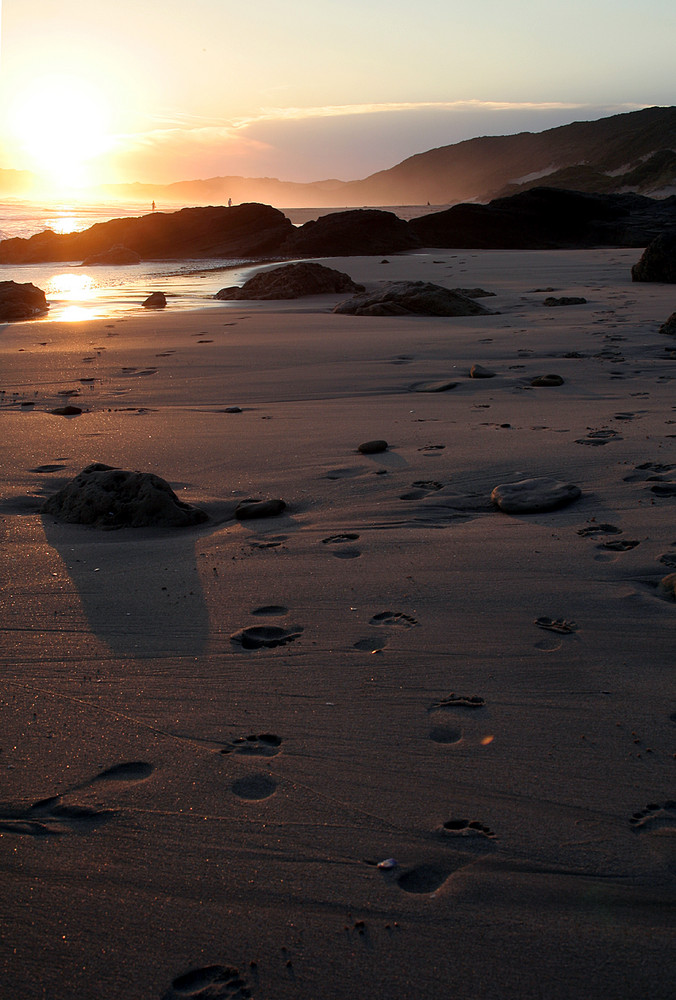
669,328
411,298
658,261
292,281
474,293
564,300
360,231
441,385
67,411
243,231
105,497
544,381
478,371
156,300
246,510
531,496
116,255
21,301
372,447
548,218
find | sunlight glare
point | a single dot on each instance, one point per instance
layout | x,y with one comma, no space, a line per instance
61,124
71,287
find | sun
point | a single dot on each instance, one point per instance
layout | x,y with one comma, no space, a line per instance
60,124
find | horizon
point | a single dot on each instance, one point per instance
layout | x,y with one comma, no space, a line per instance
215,91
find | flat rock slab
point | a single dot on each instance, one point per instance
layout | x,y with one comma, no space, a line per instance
411,298
105,497
530,496
292,281
544,381
249,509
441,385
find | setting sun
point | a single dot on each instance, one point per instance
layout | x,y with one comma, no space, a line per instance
61,125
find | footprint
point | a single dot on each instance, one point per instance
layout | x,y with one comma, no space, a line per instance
422,488
445,734
459,701
339,539
598,438
647,472
255,745
47,468
668,559
465,828
393,619
425,879
347,553
556,625
270,609
619,545
56,815
655,817
265,636
370,645
212,982
254,787
599,529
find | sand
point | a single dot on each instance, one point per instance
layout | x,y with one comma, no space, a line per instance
393,742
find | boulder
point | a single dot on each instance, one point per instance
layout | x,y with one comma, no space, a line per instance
248,510
411,298
357,232
546,381
105,497
531,496
243,231
156,300
115,256
658,261
21,301
292,281
564,300
669,327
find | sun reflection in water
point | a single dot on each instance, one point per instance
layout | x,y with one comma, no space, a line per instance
75,296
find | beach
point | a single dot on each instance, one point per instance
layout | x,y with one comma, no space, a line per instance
393,742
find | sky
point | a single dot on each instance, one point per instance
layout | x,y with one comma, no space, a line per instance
106,91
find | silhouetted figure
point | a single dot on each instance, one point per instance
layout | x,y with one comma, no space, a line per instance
153,208
229,202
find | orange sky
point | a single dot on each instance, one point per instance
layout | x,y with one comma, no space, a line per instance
307,89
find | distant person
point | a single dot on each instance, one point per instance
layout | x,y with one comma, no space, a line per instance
229,202
153,208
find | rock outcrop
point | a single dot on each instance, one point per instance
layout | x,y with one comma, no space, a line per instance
411,298
105,497
548,219
292,281
156,300
244,231
21,301
115,256
353,233
658,261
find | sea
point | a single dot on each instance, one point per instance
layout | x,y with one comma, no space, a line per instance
77,293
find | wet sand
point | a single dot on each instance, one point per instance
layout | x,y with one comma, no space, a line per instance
212,737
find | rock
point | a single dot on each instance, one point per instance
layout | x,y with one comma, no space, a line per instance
115,256
546,219
530,496
667,587
658,261
411,298
246,510
21,301
357,232
441,385
474,293
156,300
105,497
543,381
243,231
564,300
67,411
372,447
478,371
292,281
669,328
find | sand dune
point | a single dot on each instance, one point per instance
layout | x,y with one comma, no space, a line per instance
392,742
